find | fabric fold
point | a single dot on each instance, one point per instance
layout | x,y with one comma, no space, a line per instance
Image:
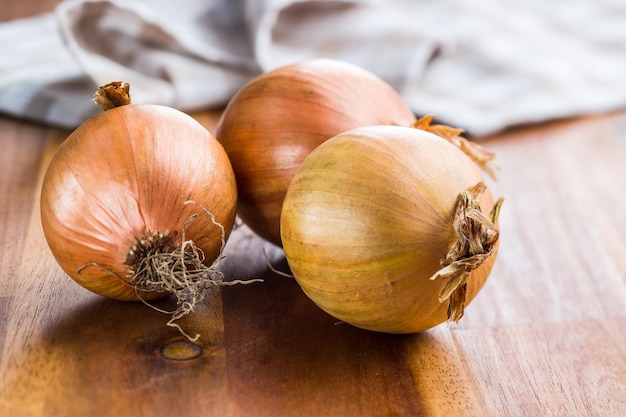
482,65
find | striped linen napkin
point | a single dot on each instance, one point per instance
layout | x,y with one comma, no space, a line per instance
482,65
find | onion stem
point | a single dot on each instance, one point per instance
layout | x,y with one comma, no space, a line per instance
111,95
477,238
482,157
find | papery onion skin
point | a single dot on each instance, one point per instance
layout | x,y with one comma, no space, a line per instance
367,221
277,119
125,175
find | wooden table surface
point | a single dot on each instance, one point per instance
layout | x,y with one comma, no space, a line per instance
545,337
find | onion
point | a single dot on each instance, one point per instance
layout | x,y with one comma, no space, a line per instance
389,229
277,119
138,202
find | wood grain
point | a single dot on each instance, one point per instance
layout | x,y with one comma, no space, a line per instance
545,337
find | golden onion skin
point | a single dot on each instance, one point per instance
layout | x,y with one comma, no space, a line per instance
277,119
367,220
126,174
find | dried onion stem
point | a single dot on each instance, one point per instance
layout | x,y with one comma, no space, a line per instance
477,238
474,151
111,95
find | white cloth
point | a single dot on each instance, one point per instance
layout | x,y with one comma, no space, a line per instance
482,65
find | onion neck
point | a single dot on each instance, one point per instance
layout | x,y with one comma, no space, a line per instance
482,157
115,94
477,239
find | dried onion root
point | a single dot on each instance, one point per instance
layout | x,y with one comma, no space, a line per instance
157,264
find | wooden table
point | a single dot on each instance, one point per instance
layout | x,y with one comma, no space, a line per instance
545,337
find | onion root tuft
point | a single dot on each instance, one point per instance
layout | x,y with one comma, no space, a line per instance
158,264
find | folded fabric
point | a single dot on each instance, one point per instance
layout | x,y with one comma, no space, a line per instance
483,65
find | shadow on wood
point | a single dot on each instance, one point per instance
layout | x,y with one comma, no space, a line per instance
285,356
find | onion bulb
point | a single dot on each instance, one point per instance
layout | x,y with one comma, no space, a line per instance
278,118
390,229
137,203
